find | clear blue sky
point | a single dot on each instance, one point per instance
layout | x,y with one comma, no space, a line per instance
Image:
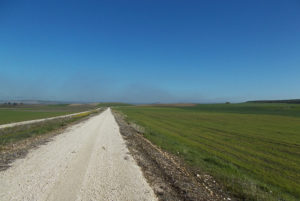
150,50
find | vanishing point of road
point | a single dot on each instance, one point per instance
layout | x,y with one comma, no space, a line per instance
88,162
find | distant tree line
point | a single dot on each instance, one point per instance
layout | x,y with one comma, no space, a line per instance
12,104
292,101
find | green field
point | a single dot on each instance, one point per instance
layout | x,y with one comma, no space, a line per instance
30,112
252,149
14,134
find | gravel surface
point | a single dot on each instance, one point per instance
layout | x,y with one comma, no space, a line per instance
89,161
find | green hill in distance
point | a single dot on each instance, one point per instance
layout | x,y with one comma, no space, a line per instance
291,101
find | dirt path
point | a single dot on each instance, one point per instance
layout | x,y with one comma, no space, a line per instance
90,161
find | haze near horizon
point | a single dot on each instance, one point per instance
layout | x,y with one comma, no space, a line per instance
150,51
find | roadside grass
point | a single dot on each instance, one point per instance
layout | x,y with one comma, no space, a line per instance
84,114
254,156
31,112
14,134
9,116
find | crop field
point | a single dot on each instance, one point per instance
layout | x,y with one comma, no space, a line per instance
9,114
252,149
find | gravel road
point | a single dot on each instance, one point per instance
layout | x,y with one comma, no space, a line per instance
88,162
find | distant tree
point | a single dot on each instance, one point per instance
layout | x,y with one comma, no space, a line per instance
227,102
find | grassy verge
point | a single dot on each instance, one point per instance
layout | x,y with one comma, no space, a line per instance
254,153
9,114
19,133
